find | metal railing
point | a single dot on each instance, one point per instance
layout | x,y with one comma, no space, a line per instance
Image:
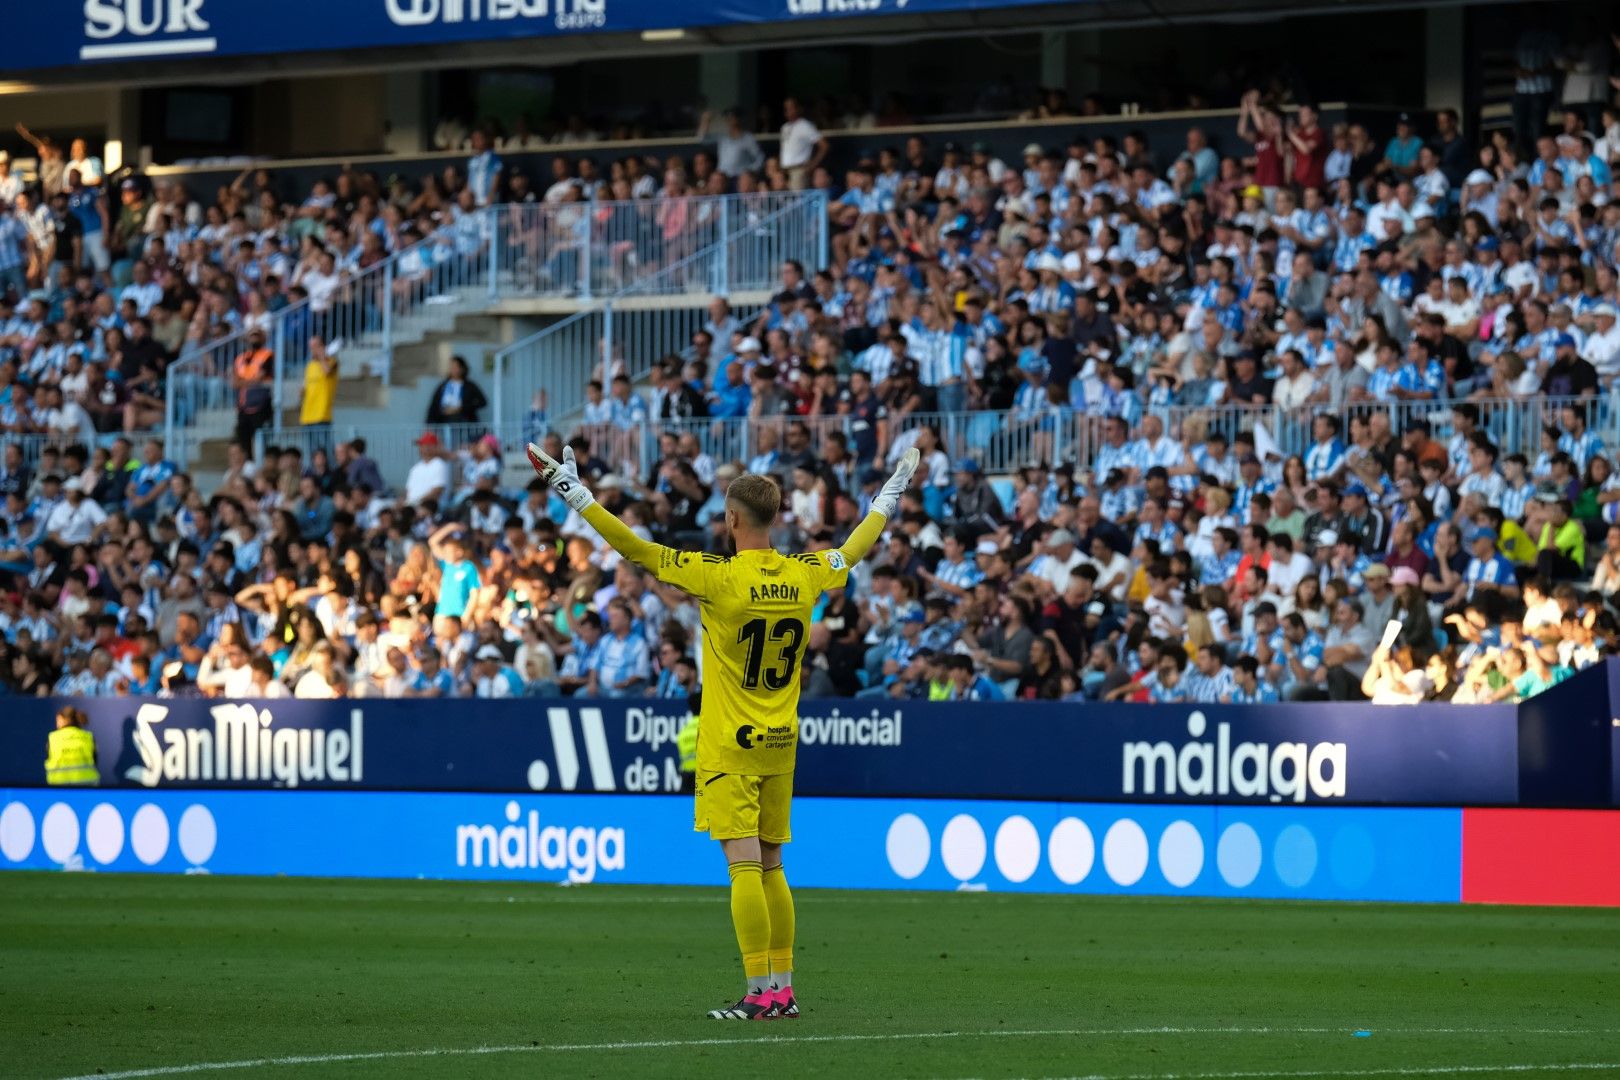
199,396
1001,441
395,447
363,312
584,250
637,326
726,242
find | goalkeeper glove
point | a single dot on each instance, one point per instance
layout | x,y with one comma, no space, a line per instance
563,476
888,499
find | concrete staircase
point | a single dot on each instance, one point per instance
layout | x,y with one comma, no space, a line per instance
456,324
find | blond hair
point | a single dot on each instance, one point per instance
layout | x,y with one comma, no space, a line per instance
756,496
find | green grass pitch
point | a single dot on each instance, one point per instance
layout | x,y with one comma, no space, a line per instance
127,975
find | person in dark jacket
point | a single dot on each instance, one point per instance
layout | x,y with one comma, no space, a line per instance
456,400
975,506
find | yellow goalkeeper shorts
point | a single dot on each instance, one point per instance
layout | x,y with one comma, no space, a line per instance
729,806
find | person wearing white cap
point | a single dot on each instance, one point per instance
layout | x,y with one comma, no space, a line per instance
1054,294
1033,153
1058,561
1479,195
492,676
76,519
1602,348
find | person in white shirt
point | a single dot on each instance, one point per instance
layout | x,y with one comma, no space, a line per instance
393,680
319,278
322,681
142,290
89,168
803,145
1297,384
1113,569
451,134
10,186
75,520
1602,348
1059,561
429,478
242,680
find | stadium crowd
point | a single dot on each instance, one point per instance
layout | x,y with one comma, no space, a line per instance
1147,302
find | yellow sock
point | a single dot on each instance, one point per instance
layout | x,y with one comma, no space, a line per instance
779,902
752,920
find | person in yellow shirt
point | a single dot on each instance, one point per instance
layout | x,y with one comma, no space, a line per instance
320,386
1511,539
70,755
756,607
1561,543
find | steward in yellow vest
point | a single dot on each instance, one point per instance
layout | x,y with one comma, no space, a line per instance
70,756
686,741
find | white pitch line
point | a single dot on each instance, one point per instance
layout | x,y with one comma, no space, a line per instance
1433,1070
664,1044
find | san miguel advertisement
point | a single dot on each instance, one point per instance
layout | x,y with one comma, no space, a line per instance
1270,754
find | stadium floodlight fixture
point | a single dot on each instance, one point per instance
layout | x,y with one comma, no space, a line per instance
672,34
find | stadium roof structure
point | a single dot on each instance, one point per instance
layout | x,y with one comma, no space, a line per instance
154,42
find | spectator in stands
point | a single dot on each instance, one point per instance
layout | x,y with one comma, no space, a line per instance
803,146
736,148
457,399
1080,314
254,373
320,386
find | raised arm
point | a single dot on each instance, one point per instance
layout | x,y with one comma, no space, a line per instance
686,569
859,542
683,569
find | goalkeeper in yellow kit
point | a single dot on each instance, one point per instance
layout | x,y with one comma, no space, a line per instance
756,617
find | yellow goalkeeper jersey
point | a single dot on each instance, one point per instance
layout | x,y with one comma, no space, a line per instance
756,623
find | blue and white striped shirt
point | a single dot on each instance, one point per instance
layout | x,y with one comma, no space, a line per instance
1119,504
1347,252
1264,694
1244,496
618,659
941,356
1218,569
1207,689
1383,383
13,236
1515,499
482,169
1493,571
1123,457
1323,459
963,574
1583,449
